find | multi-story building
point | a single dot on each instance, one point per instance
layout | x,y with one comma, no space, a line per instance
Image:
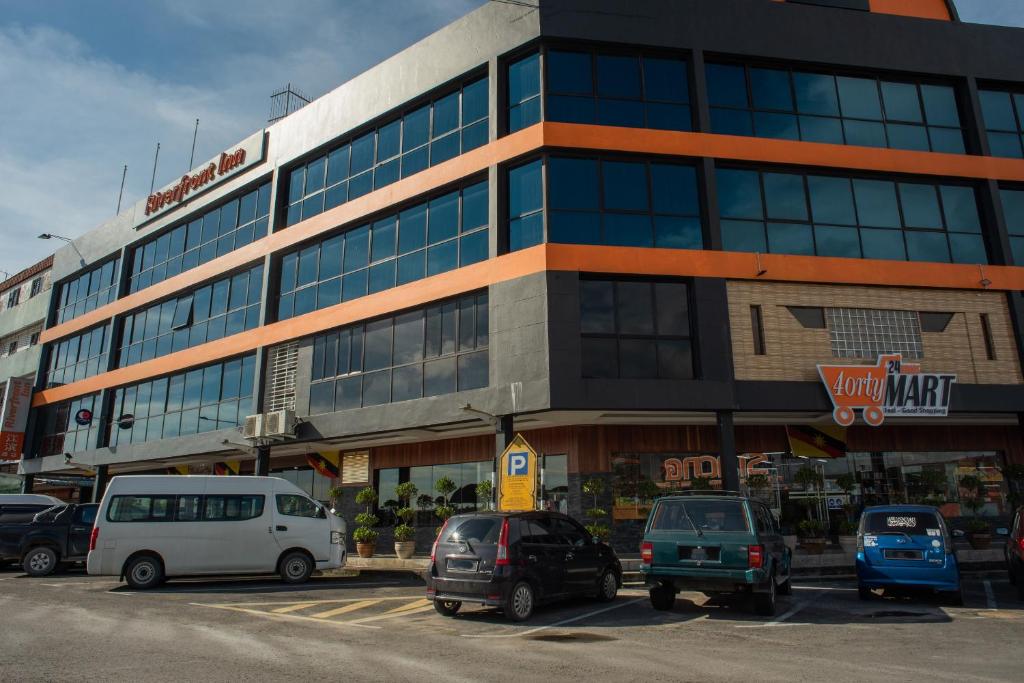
630,231
22,316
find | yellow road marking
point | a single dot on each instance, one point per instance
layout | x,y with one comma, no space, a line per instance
343,610
293,608
411,608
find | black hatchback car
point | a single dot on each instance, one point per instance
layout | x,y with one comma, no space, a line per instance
515,560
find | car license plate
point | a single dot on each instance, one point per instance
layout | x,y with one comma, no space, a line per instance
698,554
903,554
458,565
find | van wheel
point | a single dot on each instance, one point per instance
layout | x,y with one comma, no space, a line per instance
448,608
519,605
863,592
663,598
608,586
144,572
764,603
296,568
40,561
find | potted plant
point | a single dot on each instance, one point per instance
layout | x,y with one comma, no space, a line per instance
334,495
812,536
978,533
757,484
595,487
446,487
847,535
483,493
405,533
702,484
365,535
809,478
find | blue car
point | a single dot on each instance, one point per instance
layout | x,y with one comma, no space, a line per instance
906,546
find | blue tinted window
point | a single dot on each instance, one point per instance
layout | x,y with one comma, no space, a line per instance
382,243
831,200
920,206
412,230
665,80
673,232
927,246
618,76
960,205
1013,209
446,114
574,227
524,79
907,137
674,189
727,85
731,122
628,230
572,183
816,94
940,105
362,153
571,109
864,133
474,102
883,244
780,126
625,185
739,194
474,206
967,248
569,72
790,238
443,221
858,97
416,128
743,236
876,203
837,241
997,108
784,196
525,189
770,89
901,102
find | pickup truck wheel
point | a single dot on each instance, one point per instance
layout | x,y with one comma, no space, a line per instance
40,561
143,572
448,608
764,603
662,598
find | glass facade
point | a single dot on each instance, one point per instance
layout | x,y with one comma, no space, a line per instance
430,351
612,89
90,290
78,357
792,213
440,130
200,400
220,309
61,428
635,329
1013,209
822,107
524,93
434,237
1003,114
526,205
623,203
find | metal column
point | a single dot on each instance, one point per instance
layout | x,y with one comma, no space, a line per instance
100,482
730,464
504,434
262,461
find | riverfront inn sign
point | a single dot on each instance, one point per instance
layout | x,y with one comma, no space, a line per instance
890,387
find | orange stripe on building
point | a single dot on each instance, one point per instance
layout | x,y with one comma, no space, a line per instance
925,9
561,257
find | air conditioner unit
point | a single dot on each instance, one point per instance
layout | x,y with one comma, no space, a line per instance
252,428
280,423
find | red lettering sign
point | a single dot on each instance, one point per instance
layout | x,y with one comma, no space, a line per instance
228,162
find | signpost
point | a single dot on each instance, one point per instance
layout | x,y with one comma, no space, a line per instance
517,482
14,406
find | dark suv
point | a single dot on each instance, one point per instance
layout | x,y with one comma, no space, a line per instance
514,560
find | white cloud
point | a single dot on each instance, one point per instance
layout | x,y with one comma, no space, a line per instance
70,118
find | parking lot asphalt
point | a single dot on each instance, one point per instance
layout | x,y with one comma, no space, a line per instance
379,627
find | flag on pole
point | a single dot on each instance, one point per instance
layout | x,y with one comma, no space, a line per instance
818,441
327,464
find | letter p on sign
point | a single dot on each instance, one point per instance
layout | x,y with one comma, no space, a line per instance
518,464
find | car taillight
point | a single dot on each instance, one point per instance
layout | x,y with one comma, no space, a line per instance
755,556
502,557
93,537
646,552
433,550
860,543
1020,543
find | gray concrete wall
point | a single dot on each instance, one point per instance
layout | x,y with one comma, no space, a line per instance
27,313
22,364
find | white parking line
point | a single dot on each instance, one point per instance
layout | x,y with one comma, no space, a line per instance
990,596
779,620
554,625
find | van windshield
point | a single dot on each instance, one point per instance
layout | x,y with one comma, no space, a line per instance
708,515
913,523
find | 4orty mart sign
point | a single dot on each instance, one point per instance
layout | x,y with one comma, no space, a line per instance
888,388
517,472
14,407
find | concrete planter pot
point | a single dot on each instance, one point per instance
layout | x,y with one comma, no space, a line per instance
365,549
848,544
405,549
813,546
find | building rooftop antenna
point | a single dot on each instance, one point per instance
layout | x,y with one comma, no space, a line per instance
285,101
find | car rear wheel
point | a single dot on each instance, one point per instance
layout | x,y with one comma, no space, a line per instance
448,608
296,568
40,561
608,586
863,592
519,604
144,572
764,602
663,598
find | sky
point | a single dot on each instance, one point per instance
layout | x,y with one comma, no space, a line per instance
88,87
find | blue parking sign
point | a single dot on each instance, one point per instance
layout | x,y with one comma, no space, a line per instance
518,464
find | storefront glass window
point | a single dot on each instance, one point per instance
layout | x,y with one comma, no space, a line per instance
88,291
75,358
466,476
306,478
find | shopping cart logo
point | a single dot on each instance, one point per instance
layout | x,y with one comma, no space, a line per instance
888,388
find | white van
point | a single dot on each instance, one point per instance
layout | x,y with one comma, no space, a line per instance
149,528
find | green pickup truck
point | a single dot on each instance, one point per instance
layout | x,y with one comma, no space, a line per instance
714,544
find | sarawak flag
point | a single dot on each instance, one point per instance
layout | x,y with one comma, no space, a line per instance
822,441
178,469
325,463
227,468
